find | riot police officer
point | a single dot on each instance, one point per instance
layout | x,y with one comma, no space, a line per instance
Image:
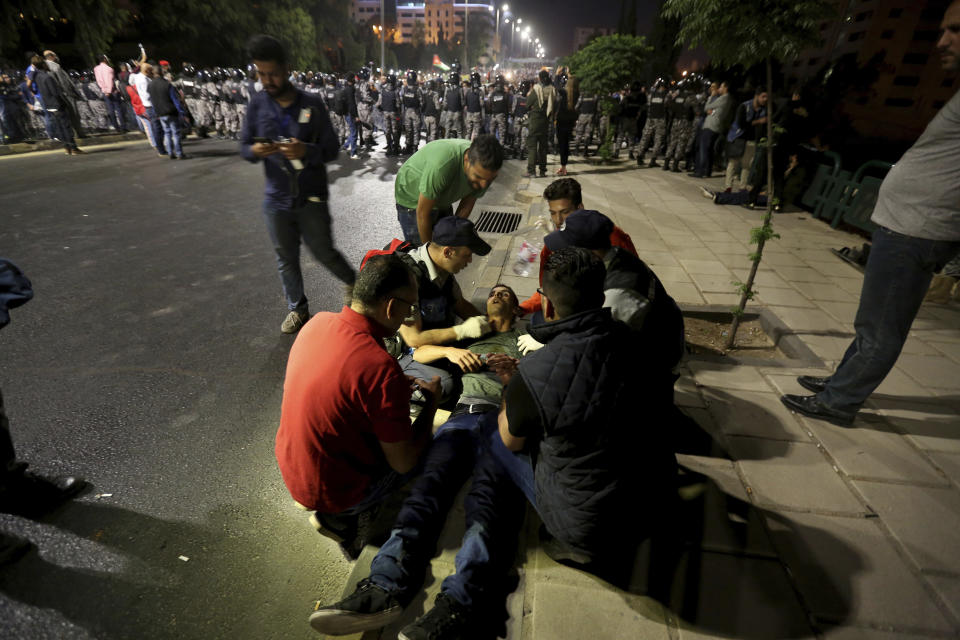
474,104
682,114
431,110
587,113
499,105
519,113
412,100
453,108
365,103
389,104
656,126
630,105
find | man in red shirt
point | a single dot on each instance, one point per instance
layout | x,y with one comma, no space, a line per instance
563,197
345,440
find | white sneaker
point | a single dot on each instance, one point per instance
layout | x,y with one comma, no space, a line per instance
706,193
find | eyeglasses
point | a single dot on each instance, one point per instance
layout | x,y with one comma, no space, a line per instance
414,309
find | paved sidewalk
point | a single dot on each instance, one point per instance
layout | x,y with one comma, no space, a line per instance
805,529
93,140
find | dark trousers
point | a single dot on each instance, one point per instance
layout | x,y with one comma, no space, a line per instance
8,458
564,131
897,277
115,111
704,164
537,144
407,218
60,128
311,223
494,510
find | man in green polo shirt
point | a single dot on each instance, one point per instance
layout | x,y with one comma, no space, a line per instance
439,174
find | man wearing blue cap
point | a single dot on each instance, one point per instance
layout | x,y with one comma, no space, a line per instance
441,302
632,291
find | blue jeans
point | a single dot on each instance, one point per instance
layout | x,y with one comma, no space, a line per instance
312,223
449,383
705,141
171,134
408,222
897,277
494,515
516,464
351,134
156,130
115,111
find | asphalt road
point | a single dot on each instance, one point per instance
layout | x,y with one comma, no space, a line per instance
151,363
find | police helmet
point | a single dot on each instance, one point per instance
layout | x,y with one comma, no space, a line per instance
364,73
392,81
316,80
189,71
454,78
238,74
659,84
475,79
302,77
525,86
412,78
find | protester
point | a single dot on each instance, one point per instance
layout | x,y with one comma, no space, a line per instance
566,120
918,213
541,109
55,105
68,91
469,598
600,475
716,113
106,80
290,131
23,492
564,196
439,174
748,126
345,440
141,80
169,109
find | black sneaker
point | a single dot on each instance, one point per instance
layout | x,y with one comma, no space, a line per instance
447,620
368,607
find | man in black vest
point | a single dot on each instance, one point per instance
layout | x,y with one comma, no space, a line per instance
595,469
632,292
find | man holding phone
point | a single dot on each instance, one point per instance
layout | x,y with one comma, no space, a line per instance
291,133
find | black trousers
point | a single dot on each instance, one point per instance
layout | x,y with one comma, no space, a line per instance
8,458
564,132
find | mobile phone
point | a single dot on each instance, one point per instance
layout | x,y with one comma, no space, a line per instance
263,140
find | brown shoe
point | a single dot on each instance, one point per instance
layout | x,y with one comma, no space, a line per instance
940,289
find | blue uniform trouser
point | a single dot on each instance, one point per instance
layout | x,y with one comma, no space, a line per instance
494,514
897,277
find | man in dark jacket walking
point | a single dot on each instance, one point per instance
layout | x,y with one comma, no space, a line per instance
290,131
166,103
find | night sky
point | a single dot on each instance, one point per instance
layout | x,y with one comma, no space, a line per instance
563,16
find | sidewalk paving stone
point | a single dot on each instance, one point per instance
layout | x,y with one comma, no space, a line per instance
949,463
948,588
822,292
668,273
874,451
870,633
753,413
807,320
793,475
848,571
926,521
727,376
685,293
930,425
931,371
709,267
798,274
949,349
899,384
738,597
773,296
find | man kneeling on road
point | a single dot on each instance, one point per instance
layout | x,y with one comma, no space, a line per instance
345,440
441,300
588,455
441,173
494,507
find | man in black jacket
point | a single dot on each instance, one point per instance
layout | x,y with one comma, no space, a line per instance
166,104
586,458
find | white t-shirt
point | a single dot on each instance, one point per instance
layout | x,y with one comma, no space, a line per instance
141,82
920,196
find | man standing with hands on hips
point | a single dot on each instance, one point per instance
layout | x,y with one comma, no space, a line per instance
291,132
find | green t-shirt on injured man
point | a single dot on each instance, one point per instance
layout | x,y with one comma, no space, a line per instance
436,171
484,384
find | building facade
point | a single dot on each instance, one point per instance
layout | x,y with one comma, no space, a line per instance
441,20
900,36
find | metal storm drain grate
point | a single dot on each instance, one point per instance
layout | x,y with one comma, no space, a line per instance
493,221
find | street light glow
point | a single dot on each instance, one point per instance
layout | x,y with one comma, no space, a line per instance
527,29
505,7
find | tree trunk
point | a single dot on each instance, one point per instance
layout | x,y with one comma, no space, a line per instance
747,290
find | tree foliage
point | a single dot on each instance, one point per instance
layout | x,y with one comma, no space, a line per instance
747,33
94,23
605,66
